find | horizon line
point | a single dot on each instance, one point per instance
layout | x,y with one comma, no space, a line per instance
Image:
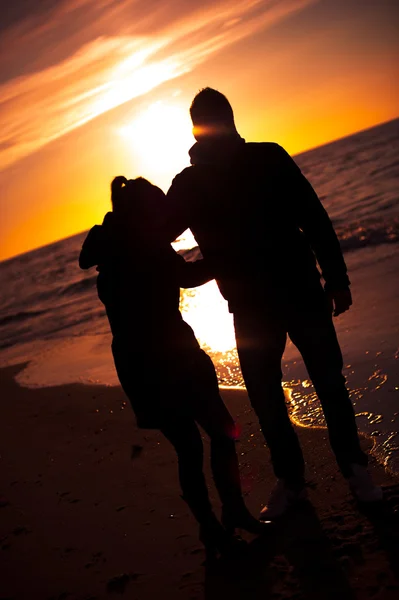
311,149
334,140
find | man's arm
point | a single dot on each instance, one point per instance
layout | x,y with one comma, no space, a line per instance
315,223
193,274
175,217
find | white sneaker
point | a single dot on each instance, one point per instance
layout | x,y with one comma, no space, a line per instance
362,486
281,499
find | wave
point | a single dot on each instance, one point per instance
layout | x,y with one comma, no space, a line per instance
360,236
351,238
192,254
386,167
55,324
77,287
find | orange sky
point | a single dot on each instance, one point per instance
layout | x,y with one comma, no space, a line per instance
90,89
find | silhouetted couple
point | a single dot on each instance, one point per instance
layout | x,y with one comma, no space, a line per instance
260,228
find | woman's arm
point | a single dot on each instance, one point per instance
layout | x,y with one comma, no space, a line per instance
102,243
89,255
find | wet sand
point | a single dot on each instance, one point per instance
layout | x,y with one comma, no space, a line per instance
90,509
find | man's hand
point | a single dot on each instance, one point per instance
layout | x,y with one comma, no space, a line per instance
340,301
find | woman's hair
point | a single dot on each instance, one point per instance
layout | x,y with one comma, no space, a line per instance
129,194
117,193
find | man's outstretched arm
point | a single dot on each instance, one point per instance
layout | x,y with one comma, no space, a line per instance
313,220
193,274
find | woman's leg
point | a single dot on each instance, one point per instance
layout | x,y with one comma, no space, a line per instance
185,437
218,424
211,413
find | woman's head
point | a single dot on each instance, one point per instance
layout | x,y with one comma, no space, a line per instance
136,199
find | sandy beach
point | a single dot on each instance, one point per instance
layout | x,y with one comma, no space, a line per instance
90,509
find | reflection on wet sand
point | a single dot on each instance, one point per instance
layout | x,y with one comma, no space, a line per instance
206,311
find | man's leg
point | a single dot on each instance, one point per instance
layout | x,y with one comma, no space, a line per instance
313,333
260,344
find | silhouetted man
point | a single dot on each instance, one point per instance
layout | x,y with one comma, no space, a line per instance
260,224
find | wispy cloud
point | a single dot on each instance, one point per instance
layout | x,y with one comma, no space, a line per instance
107,70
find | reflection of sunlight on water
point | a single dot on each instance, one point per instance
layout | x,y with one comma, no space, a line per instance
305,410
185,242
207,313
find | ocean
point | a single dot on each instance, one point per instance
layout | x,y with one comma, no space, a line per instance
51,318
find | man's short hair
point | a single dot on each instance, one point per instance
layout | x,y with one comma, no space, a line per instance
210,106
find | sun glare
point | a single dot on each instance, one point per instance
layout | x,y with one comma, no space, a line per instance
159,139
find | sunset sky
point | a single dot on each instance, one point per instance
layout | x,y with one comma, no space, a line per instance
90,89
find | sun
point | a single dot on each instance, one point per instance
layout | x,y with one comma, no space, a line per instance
159,139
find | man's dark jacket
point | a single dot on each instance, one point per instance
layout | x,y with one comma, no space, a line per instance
257,220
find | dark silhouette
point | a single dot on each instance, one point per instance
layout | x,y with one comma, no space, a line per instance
170,382
261,227
385,522
305,560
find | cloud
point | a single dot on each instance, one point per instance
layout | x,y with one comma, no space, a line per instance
99,68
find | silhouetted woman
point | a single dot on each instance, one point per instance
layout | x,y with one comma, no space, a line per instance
170,382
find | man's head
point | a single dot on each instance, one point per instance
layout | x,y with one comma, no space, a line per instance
212,115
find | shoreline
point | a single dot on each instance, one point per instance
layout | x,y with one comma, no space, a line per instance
90,506
378,452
